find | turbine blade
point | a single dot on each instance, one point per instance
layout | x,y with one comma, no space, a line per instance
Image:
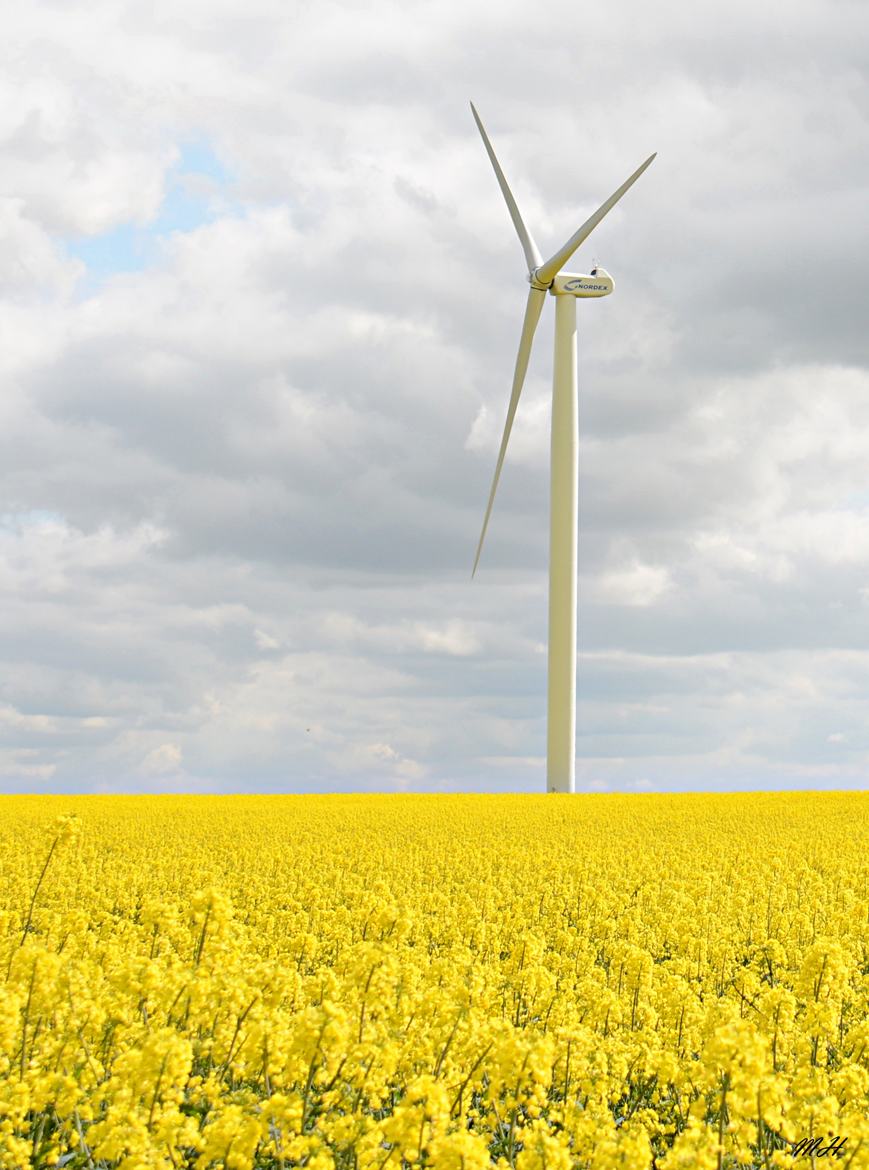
532,256
548,271
533,306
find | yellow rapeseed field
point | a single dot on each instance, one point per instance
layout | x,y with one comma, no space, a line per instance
444,981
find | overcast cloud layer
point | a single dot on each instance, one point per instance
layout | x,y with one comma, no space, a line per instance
259,304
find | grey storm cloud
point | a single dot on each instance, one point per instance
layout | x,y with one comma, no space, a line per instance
243,470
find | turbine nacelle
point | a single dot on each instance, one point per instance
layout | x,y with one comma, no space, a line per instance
598,283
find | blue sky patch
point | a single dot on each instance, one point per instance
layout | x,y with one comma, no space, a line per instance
29,518
191,186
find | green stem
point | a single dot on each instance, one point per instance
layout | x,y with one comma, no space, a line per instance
725,1085
157,1091
33,899
26,1021
201,942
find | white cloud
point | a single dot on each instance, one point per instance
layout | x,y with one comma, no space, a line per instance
454,638
19,766
164,760
634,585
33,265
34,723
399,771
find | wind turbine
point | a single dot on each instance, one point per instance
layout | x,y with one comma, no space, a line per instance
566,287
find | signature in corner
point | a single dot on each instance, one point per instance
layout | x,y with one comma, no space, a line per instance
815,1148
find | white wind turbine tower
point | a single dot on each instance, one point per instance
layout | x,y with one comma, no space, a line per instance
564,469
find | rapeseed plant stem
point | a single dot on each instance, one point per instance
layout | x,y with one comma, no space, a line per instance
36,890
201,943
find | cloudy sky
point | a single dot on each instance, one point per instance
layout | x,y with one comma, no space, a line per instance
259,304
